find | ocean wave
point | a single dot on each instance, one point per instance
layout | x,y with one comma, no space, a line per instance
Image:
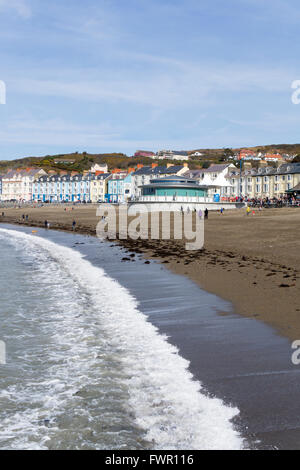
136,364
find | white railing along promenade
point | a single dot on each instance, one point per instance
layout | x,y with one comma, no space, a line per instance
172,199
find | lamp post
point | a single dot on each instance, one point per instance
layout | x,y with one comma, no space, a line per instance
240,179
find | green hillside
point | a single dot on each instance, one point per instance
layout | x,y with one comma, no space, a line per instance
83,161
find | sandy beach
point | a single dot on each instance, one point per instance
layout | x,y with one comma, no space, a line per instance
251,261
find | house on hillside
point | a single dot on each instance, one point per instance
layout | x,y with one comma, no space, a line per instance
144,153
172,155
99,168
64,161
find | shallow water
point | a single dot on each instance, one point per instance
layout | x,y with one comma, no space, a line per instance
85,369
240,361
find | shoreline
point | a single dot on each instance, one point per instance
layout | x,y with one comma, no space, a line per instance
260,280
249,372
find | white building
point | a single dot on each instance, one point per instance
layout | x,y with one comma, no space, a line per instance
196,154
17,185
172,155
216,178
103,168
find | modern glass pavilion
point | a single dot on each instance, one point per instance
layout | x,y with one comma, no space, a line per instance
174,186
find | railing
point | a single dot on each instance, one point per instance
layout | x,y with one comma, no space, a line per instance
172,199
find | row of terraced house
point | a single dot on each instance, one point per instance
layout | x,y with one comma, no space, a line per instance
96,185
119,186
227,181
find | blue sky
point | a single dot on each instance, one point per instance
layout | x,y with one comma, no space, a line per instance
115,75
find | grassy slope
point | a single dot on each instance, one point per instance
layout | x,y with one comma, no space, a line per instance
83,161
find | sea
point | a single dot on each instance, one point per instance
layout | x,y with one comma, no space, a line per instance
105,351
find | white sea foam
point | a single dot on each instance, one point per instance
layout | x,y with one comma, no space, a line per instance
166,403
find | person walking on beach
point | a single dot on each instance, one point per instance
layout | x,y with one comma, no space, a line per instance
74,225
46,224
206,213
248,210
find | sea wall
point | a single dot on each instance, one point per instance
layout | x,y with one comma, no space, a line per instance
178,206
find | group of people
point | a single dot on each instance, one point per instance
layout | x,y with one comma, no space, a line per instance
274,202
47,225
200,213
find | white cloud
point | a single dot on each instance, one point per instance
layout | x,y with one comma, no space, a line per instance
21,7
172,86
55,132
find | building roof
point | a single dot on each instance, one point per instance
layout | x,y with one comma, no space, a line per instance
102,176
68,177
20,173
174,182
216,168
158,170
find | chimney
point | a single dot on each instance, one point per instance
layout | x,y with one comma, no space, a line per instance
140,165
130,170
247,165
186,165
154,165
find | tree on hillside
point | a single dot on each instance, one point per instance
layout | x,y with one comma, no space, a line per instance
228,152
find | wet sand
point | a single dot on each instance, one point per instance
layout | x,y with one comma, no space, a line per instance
253,261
